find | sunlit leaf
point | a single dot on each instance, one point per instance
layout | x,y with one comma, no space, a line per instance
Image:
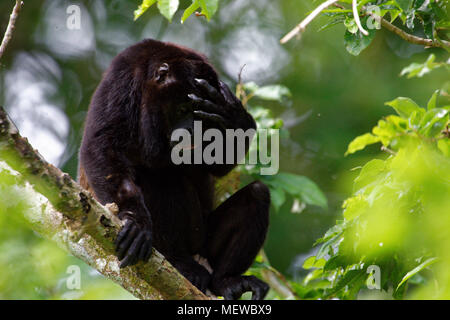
361,142
354,206
190,10
432,103
271,92
444,146
433,122
349,278
416,270
143,7
209,7
405,5
350,24
405,106
168,8
369,172
420,69
309,263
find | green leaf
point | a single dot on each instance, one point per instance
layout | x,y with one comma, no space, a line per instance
271,93
168,8
416,270
209,7
334,262
278,197
369,173
190,10
420,69
433,122
313,262
432,103
354,207
394,14
332,23
333,232
405,5
309,263
405,107
350,24
357,42
361,142
303,187
142,8
349,278
444,146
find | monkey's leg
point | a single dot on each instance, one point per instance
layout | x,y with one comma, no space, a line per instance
236,232
191,270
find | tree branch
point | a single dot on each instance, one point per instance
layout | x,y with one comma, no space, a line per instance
386,24
302,25
411,38
60,210
11,25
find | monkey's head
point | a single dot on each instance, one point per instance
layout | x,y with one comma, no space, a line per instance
163,76
172,81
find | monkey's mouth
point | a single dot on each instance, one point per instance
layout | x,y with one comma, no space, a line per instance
184,125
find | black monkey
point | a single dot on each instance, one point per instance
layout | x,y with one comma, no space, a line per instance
149,90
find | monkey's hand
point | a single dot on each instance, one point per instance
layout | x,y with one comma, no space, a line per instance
221,108
134,241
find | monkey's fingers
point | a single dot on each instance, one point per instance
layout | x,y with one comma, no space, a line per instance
212,117
226,93
126,241
205,105
145,251
122,233
132,253
212,92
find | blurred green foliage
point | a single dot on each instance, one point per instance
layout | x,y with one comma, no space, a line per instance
398,216
297,186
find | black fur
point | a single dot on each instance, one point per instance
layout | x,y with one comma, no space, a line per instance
149,89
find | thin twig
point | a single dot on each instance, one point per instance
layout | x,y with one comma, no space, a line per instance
386,24
356,17
302,25
413,39
386,149
11,25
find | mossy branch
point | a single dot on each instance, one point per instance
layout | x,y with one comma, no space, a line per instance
60,210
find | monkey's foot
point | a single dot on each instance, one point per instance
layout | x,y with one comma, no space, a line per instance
232,288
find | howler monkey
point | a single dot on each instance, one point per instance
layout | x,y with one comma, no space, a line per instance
149,90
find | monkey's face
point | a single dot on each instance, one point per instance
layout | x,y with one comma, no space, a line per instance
171,83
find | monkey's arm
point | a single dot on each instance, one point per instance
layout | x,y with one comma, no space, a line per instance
111,177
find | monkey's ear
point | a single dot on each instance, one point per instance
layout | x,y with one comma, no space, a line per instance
161,73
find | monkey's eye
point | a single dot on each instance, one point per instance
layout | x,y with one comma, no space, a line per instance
162,72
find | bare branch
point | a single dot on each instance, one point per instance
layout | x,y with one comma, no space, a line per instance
414,39
11,26
386,24
302,25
